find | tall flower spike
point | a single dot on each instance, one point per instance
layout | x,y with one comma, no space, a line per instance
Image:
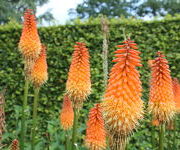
95,133
67,114
78,85
176,90
161,102
38,73
122,105
30,45
15,145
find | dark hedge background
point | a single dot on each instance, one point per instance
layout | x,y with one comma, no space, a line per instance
161,35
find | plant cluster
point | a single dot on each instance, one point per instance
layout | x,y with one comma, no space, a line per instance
119,111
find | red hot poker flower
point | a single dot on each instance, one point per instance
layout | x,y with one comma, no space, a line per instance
161,102
30,45
67,114
122,105
95,133
15,145
176,90
38,73
78,85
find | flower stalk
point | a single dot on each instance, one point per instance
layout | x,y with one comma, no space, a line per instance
153,139
74,133
174,135
35,106
105,31
161,136
23,121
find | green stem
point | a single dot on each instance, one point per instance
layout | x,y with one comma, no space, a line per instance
35,106
126,146
161,136
174,136
153,139
74,133
23,121
67,141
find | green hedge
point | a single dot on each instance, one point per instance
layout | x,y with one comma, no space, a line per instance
161,35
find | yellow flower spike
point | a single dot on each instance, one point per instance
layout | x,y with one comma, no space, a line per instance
122,105
38,73
95,133
161,102
78,85
67,114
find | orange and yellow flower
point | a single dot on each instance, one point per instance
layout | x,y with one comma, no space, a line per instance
122,105
30,45
176,90
38,73
67,114
78,85
161,103
15,145
95,133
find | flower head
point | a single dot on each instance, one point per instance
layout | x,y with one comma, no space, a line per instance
161,102
176,90
78,85
15,145
122,105
38,73
67,114
30,45
95,133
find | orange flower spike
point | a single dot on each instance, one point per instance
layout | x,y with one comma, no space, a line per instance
95,133
38,73
30,45
161,103
78,85
15,145
122,105
176,90
67,114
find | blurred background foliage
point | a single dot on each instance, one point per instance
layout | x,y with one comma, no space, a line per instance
126,8
14,10
144,9
150,36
